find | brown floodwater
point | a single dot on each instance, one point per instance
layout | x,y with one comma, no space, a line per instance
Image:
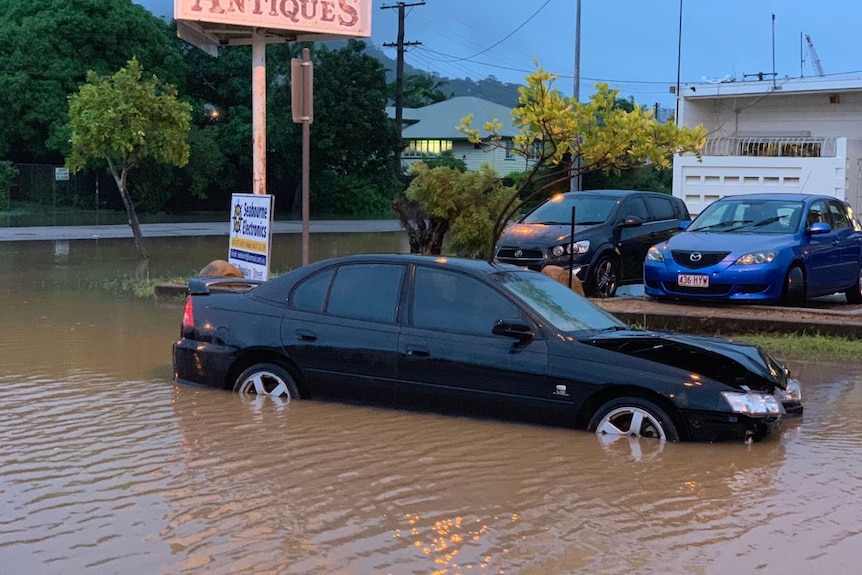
106,466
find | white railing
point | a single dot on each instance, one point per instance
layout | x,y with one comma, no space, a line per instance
788,147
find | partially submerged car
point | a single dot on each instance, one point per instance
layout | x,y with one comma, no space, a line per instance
470,336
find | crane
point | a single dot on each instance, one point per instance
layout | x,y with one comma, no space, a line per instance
815,61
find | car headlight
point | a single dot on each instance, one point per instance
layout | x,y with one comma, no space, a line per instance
654,255
793,393
580,247
757,258
752,403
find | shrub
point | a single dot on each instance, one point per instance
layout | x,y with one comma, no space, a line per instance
8,173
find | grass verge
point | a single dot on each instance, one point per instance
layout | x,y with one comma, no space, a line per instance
806,347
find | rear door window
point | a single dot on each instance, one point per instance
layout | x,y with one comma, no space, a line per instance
310,295
660,208
366,291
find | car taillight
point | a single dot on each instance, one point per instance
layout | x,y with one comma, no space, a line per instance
188,316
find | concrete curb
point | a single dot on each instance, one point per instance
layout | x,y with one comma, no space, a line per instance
731,324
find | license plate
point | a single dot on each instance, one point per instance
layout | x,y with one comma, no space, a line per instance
696,281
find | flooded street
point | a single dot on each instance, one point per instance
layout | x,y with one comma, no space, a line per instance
107,467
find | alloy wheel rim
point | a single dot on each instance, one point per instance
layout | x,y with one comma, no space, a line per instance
632,421
265,383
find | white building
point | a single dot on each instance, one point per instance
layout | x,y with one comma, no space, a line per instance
433,129
792,135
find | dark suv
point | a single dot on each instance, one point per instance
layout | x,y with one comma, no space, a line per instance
613,229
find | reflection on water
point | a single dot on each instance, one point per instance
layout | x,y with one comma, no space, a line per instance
107,467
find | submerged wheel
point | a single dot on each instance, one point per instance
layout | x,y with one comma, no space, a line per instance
267,379
854,292
603,277
633,416
794,287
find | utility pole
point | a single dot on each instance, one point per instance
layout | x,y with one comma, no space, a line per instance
399,68
576,182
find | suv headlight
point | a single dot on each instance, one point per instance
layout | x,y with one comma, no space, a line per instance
752,403
757,258
654,255
576,248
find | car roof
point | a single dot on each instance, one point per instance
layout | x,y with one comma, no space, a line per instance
782,196
274,289
475,266
615,193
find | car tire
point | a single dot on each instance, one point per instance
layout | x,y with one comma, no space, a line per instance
794,290
603,277
854,292
633,416
267,379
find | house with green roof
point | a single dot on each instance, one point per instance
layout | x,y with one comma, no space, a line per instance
431,130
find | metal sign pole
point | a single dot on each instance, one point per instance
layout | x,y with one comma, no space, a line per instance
302,110
258,105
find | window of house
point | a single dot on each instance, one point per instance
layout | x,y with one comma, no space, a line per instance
422,148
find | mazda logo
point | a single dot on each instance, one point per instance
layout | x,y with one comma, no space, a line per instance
695,256
519,253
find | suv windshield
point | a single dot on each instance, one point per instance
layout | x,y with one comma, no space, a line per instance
749,216
558,210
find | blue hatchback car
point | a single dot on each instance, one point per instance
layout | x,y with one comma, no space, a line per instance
764,248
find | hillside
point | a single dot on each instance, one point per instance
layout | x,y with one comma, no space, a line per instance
490,88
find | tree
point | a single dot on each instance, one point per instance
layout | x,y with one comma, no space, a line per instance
124,120
463,202
552,129
46,49
220,160
421,89
353,141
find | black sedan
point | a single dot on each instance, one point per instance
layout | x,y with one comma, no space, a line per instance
470,336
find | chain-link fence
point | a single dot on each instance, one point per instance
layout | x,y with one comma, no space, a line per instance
44,194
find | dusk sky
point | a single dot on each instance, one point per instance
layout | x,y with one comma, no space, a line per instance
630,44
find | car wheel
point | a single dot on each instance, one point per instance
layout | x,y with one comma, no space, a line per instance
633,416
603,278
794,287
854,292
267,379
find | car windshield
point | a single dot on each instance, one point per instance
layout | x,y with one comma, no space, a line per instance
558,210
756,216
557,304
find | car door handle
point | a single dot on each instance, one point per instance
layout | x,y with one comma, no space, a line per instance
306,335
416,351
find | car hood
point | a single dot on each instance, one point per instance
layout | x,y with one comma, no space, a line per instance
734,363
727,241
544,234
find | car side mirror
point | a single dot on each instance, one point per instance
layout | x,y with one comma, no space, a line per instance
818,228
514,328
631,222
